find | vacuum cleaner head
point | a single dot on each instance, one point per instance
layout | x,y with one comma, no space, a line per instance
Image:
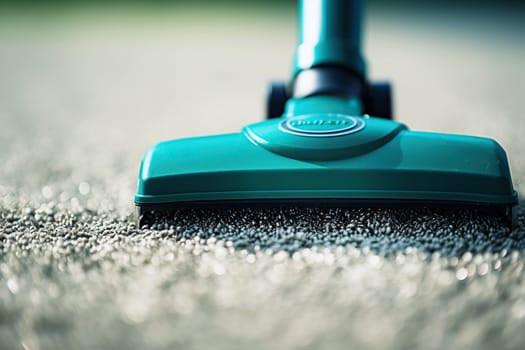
327,159
320,147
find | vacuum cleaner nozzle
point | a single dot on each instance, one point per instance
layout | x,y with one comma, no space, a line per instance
334,144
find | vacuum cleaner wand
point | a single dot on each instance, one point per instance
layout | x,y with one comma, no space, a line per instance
328,59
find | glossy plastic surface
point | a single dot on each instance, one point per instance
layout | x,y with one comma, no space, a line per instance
330,33
405,165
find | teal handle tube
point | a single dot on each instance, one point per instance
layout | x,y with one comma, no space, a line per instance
330,33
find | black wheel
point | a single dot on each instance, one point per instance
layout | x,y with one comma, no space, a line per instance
275,99
380,100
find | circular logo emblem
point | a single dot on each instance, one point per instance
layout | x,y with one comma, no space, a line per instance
322,125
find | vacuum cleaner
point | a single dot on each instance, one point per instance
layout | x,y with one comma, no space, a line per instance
329,140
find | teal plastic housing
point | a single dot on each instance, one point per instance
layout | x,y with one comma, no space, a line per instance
382,161
323,147
330,34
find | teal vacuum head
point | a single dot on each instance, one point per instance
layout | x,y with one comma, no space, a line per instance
329,141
